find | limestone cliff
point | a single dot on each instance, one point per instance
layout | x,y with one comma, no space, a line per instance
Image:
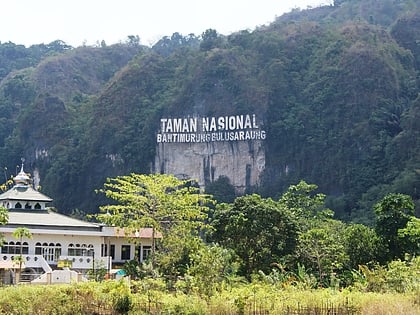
241,161
204,153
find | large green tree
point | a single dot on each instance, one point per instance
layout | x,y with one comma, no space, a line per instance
303,202
393,213
259,230
362,245
321,249
173,207
411,234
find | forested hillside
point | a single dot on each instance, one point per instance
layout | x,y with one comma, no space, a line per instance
337,87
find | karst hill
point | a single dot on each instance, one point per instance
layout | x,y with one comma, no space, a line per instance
334,89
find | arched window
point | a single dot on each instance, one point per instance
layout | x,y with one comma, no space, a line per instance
90,251
51,252
17,248
37,206
8,248
38,249
18,206
28,206
70,250
25,248
12,248
57,251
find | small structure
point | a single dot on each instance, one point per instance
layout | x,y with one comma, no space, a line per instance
61,242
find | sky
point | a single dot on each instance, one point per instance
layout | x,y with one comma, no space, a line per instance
88,22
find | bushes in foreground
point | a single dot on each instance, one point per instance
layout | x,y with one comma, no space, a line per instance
75,299
392,289
150,296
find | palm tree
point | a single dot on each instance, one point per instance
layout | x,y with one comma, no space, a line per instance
19,234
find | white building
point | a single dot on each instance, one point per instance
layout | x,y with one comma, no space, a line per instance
58,240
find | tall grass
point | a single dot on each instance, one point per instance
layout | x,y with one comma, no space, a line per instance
112,297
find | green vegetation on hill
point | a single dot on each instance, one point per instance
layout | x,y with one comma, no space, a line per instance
337,87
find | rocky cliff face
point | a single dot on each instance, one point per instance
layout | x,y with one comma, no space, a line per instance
231,146
241,161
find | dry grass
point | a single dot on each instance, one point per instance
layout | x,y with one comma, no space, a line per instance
386,308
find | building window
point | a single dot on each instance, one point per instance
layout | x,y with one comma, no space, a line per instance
146,252
12,248
84,250
57,251
9,248
91,251
70,250
51,252
80,250
112,254
38,249
47,253
18,206
105,252
25,248
37,206
125,252
28,206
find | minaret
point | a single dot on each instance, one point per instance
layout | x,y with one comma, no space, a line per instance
22,195
21,179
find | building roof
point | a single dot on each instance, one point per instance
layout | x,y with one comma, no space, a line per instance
24,193
53,222
142,233
47,219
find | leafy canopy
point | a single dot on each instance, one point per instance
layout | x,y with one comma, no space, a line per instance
259,230
156,200
4,218
393,213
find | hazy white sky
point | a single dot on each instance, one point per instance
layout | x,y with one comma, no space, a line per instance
78,22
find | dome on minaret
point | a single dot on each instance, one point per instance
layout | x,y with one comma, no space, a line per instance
22,178
22,196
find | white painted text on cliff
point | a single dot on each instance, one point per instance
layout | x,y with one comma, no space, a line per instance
209,129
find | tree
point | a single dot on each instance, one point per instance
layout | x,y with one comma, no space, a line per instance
321,249
133,40
4,218
210,267
412,235
210,39
174,207
301,200
20,233
259,230
393,213
362,244
222,190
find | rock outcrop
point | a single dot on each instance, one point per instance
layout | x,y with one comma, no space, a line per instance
235,151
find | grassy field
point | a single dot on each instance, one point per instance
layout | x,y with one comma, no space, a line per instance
149,297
